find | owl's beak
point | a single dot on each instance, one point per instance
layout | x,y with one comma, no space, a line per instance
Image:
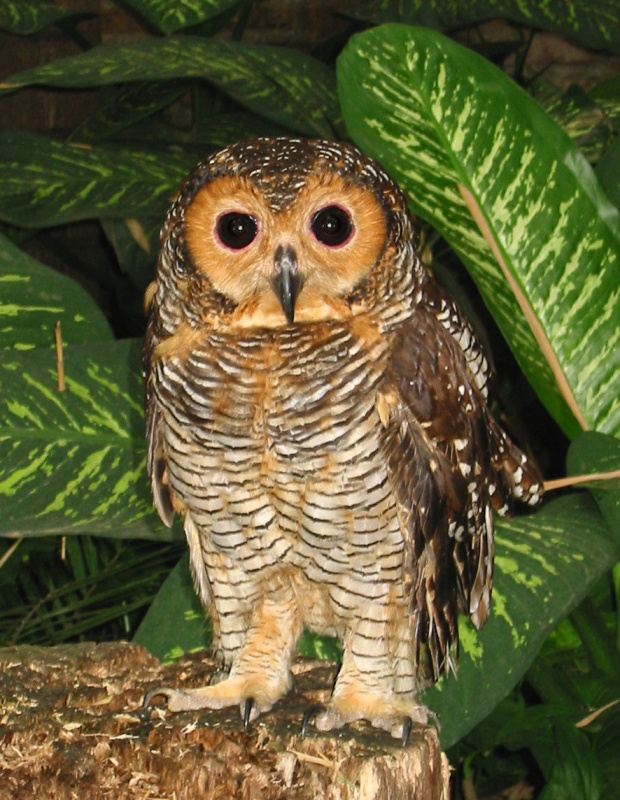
287,281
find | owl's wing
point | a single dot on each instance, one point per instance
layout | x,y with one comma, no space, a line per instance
449,464
155,457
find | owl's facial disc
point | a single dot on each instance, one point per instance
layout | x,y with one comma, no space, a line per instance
289,263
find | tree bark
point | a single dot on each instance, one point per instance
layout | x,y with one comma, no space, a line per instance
71,727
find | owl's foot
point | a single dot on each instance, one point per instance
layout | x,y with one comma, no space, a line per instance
253,697
396,718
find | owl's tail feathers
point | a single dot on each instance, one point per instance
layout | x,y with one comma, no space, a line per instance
480,593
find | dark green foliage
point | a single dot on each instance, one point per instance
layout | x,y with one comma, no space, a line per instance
76,562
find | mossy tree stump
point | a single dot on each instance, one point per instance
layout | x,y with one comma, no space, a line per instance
71,727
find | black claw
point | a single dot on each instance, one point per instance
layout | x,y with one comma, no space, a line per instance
247,710
310,713
150,695
407,723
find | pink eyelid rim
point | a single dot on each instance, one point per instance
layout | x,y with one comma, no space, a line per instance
216,235
349,237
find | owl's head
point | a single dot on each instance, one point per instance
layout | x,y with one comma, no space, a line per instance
286,229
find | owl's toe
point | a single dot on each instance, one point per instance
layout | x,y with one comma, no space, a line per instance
178,700
398,720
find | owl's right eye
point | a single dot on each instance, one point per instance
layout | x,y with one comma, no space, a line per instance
236,230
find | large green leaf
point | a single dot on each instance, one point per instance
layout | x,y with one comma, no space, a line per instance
289,88
30,16
438,117
169,17
49,183
33,298
594,25
543,570
74,461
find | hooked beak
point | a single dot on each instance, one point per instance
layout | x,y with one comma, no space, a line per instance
287,281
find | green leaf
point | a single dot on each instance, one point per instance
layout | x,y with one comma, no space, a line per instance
576,774
136,244
127,105
595,25
74,461
33,298
29,16
593,452
289,88
49,183
438,116
175,622
208,135
543,570
169,17
587,123
608,171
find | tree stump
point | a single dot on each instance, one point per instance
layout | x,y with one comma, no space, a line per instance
71,727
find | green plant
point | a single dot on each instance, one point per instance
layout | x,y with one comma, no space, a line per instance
499,182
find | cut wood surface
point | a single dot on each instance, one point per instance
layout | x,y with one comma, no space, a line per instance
71,726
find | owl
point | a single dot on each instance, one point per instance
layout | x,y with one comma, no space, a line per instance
317,413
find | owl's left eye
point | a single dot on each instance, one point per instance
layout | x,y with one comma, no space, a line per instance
236,230
332,226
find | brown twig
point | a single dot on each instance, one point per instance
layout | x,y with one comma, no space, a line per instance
576,480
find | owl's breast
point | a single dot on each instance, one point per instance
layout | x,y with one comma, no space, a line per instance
272,445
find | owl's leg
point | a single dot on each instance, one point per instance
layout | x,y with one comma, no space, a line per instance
377,679
260,672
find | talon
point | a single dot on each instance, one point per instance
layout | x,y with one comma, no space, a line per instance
247,710
310,713
153,693
407,724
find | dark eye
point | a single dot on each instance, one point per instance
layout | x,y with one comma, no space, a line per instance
236,230
332,226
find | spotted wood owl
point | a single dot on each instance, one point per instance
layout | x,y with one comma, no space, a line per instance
316,411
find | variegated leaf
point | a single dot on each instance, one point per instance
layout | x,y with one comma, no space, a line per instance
45,182
33,298
74,461
543,570
438,117
29,16
595,25
169,17
289,88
